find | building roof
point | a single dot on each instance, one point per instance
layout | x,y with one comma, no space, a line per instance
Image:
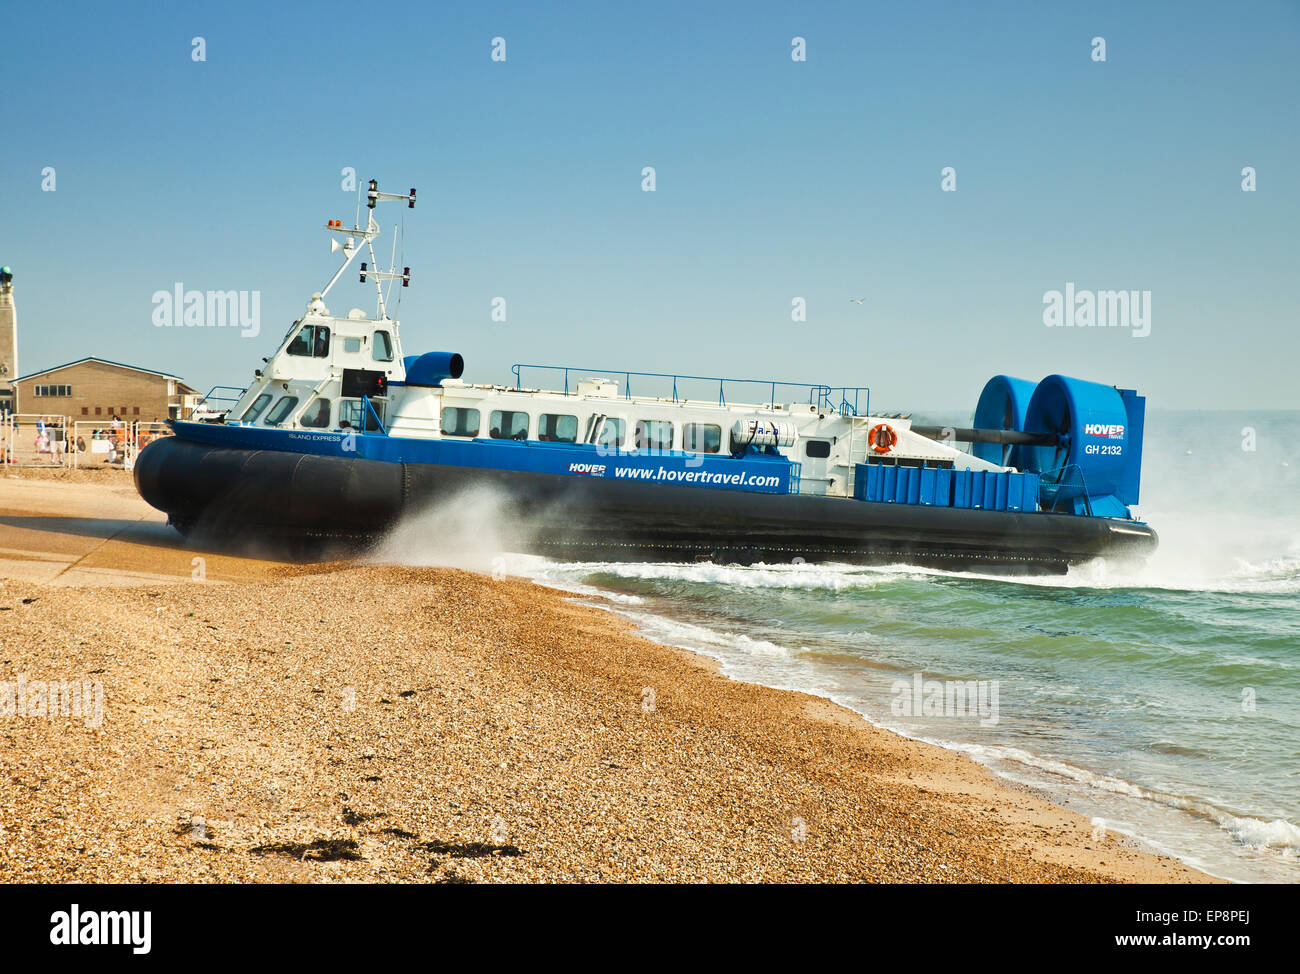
102,361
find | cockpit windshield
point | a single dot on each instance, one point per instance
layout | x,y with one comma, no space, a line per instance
312,341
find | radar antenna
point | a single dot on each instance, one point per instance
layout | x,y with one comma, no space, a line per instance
356,236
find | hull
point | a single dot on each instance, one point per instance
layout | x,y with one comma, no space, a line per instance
238,494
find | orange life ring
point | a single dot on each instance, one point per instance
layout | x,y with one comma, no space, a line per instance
882,438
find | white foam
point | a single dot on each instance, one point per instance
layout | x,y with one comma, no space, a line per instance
718,644
1278,834
829,577
1231,574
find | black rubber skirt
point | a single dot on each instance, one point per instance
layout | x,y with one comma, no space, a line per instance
272,496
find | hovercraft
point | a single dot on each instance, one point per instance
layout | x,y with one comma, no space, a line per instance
340,436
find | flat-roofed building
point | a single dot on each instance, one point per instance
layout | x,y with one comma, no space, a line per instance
97,389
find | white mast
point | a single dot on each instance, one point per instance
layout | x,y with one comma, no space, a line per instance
356,235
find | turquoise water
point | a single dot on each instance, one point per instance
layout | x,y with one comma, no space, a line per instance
1162,700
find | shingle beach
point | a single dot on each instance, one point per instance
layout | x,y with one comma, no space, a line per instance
351,722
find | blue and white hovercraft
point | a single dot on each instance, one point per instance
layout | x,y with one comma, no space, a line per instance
340,436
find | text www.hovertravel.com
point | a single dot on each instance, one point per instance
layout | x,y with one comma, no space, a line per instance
698,477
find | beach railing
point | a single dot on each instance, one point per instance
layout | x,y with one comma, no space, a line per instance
95,444
34,439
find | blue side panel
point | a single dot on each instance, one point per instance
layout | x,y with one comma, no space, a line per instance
902,485
1131,481
936,487
1023,492
988,490
754,472
863,483
961,488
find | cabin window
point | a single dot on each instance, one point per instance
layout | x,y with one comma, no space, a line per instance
507,425
654,434
316,415
701,438
382,349
459,421
557,428
352,345
281,410
253,411
353,411
817,449
312,341
611,432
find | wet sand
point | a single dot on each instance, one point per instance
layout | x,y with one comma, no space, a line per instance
263,721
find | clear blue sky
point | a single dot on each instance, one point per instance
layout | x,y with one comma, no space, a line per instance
775,179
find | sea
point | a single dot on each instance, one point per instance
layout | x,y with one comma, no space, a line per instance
1161,700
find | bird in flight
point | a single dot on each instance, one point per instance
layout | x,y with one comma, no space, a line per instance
856,300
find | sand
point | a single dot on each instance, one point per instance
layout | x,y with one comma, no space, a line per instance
345,722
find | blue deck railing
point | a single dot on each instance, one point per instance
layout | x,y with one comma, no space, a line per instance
846,400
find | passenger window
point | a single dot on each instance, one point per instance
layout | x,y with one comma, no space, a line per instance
610,431
817,449
458,421
701,438
352,345
316,415
557,428
280,412
508,425
382,349
255,410
654,434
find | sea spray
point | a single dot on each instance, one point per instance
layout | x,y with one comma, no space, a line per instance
473,529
